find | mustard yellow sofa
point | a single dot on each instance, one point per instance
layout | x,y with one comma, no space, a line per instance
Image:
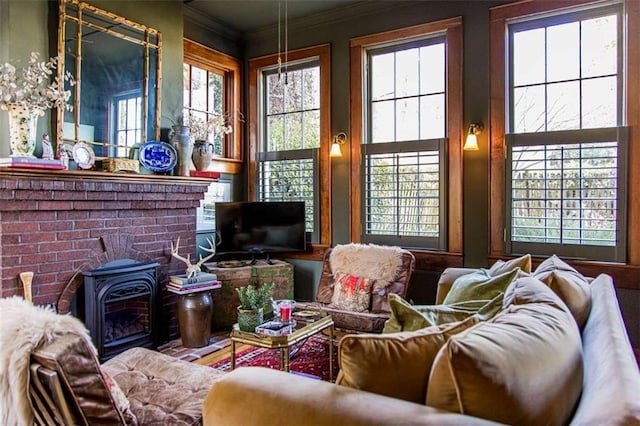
552,373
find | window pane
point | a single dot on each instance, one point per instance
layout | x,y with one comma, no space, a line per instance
408,119
528,109
563,52
293,91
198,88
565,193
382,77
599,102
432,69
216,93
311,88
311,126
406,71
432,117
275,95
185,84
528,54
600,46
275,133
293,131
383,121
563,106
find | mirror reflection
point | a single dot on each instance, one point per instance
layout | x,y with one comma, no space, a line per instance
116,63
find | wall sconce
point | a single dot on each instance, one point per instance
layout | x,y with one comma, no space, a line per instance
471,143
338,140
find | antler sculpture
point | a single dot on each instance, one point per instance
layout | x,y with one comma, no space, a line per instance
192,269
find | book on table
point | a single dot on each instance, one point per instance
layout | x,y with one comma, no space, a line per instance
32,163
193,287
198,278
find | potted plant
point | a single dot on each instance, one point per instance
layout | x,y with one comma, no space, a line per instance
253,299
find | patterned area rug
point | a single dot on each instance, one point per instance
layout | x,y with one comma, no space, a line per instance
312,359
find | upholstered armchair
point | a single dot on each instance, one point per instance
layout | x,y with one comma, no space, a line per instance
388,269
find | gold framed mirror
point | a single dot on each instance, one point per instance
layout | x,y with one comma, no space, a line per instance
116,64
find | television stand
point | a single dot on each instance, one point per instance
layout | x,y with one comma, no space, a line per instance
254,259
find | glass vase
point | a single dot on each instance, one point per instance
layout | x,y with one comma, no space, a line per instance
23,123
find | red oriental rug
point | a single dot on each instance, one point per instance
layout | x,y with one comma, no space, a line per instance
311,360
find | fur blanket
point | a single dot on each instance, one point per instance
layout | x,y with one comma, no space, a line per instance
25,327
380,263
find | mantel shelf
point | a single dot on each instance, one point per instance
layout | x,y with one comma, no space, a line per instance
100,176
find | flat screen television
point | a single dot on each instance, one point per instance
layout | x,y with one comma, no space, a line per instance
260,227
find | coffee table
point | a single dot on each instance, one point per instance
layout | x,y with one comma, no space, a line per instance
304,328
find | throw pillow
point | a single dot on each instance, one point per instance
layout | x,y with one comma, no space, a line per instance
500,267
479,285
524,366
407,317
351,293
569,284
395,365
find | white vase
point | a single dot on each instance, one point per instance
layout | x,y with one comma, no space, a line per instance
23,122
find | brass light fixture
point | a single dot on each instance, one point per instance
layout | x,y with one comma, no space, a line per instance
471,143
338,140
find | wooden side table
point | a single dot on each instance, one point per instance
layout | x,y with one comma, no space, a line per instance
195,310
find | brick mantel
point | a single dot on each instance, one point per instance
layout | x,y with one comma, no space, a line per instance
55,223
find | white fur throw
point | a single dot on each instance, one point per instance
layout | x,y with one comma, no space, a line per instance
380,263
25,327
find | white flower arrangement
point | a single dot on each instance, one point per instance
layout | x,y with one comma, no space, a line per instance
201,129
32,88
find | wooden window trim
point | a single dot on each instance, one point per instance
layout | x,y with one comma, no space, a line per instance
498,30
323,53
452,29
207,58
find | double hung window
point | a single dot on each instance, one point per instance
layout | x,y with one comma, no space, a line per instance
565,147
409,124
289,134
404,157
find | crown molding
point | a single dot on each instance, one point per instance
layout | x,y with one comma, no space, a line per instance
209,23
333,16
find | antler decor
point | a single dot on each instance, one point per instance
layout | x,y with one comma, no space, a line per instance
192,270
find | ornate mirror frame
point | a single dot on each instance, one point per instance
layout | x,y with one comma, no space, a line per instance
97,29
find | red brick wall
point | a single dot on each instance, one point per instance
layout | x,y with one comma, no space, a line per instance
63,223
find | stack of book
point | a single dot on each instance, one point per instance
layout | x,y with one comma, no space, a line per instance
203,281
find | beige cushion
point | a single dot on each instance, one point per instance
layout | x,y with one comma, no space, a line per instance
396,364
162,389
500,267
569,284
522,367
479,285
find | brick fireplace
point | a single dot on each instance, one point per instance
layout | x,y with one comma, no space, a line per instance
63,223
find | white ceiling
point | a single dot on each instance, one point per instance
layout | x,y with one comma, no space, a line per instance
249,15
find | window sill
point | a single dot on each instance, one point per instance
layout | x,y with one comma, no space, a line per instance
226,165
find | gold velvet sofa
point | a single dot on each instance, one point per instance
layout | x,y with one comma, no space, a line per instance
554,373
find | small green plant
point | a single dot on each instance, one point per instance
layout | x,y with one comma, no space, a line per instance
254,297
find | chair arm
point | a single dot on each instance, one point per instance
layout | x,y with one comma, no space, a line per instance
261,396
447,278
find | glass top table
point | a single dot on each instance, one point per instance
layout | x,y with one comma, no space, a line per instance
306,324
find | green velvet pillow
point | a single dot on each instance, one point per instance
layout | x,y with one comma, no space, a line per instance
479,285
407,317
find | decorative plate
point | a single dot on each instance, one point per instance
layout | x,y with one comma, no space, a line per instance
83,155
158,156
